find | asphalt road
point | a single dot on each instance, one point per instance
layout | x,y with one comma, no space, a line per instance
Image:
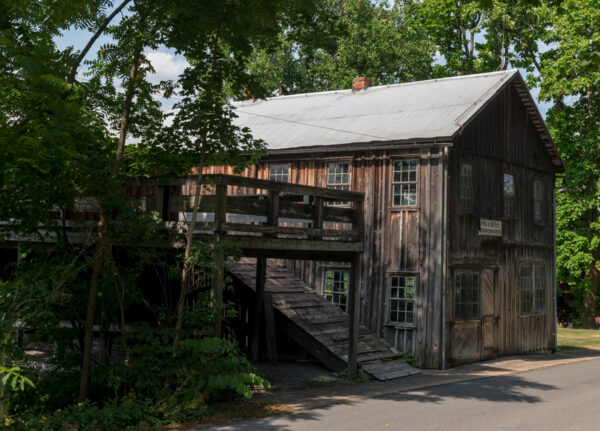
564,397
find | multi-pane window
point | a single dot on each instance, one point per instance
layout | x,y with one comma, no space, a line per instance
465,192
338,177
336,287
509,195
538,201
402,298
533,289
466,295
279,173
404,184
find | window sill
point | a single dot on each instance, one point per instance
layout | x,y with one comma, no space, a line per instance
401,325
407,208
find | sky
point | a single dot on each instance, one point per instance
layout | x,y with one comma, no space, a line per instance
168,65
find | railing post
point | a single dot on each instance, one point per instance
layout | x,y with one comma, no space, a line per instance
318,215
358,220
219,276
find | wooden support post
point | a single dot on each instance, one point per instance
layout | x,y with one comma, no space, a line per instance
164,194
318,215
261,273
261,277
270,328
219,275
354,314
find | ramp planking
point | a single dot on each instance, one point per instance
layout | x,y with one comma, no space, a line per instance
320,326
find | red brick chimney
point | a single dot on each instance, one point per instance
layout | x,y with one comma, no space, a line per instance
361,83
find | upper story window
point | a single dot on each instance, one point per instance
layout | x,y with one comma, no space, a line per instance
336,287
404,183
279,173
338,177
466,295
402,298
533,289
465,193
538,201
509,195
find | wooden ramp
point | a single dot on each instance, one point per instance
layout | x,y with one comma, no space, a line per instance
321,327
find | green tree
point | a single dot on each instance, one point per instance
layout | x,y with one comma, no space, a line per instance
358,38
475,36
570,79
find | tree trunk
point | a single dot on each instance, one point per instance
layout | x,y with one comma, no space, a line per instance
88,339
102,230
588,317
189,237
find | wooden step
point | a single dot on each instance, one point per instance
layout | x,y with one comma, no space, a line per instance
321,327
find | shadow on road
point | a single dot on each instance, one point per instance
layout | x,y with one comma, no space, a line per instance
511,388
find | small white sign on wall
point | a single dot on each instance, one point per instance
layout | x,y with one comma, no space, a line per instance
490,227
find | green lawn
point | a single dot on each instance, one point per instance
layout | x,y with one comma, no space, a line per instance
569,338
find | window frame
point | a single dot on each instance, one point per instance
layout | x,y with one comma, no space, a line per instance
279,165
536,268
539,221
471,197
472,272
345,281
333,186
394,183
388,303
510,215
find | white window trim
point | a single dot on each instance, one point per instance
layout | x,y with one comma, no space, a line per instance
336,269
454,274
388,298
504,196
330,186
289,170
534,267
461,208
417,182
541,219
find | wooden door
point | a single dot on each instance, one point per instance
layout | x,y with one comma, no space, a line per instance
489,314
465,324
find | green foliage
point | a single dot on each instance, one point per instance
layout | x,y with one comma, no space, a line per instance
14,379
572,82
346,40
126,414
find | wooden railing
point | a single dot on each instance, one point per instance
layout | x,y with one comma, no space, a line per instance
266,213
246,206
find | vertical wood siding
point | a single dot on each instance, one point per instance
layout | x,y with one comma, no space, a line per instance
397,240
503,139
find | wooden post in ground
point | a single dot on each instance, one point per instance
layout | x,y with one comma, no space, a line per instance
261,277
270,328
259,297
354,293
219,275
354,314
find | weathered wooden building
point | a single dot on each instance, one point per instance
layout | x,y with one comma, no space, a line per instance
458,176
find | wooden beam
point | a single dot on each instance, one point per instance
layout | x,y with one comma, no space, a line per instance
354,314
261,274
219,274
271,334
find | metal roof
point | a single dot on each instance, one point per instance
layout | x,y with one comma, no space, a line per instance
419,110
433,111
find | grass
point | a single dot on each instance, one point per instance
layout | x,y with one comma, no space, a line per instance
232,412
569,338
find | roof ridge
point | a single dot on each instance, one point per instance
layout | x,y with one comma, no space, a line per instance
400,84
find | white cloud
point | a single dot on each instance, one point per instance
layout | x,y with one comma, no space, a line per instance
166,65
